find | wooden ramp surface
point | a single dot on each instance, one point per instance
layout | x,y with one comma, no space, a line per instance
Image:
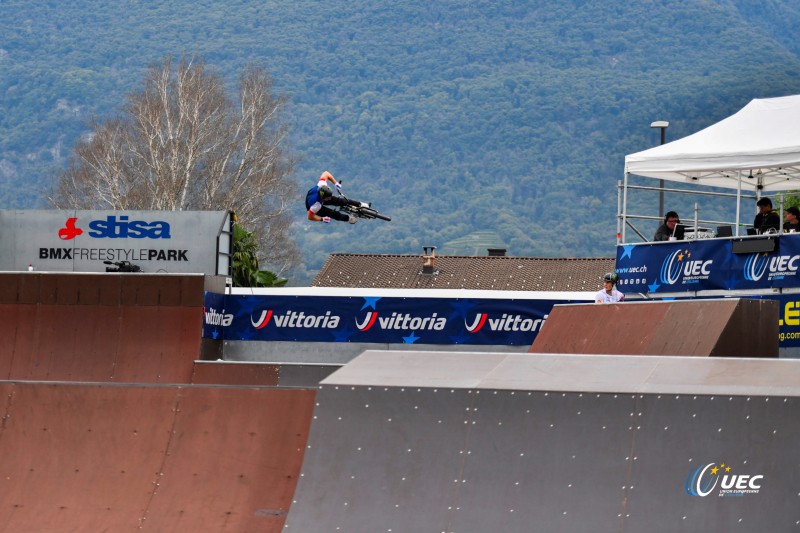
126,328
107,457
104,427
707,328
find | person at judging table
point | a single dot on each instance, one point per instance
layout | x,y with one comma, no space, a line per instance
666,230
767,218
791,219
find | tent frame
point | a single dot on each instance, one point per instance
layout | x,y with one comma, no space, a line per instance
756,150
625,219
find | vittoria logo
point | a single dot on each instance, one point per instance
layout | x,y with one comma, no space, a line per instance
476,326
215,318
263,320
506,322
294,319
368,321
401,321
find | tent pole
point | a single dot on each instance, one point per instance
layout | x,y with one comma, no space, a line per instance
621,223
738,199
619,208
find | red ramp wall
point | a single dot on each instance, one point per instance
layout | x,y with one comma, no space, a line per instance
126,328
707,328
154,458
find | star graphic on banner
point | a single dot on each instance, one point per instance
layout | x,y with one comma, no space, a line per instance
215,334
244,305
627,249
342,335
654,287
370,301
461,308
411,339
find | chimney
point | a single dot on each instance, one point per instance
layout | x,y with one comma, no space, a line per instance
497,252
428,259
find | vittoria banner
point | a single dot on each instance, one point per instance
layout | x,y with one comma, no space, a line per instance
391,320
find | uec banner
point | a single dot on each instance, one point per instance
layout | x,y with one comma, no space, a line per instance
375,319
711,264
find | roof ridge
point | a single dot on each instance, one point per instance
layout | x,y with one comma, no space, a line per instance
403,271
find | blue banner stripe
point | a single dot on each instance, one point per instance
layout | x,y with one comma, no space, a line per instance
390,320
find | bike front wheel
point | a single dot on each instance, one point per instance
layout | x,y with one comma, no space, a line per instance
368,212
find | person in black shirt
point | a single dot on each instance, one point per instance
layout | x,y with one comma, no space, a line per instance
792,220
767,218
667,229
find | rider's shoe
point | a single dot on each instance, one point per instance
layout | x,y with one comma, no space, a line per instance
365,204
352,219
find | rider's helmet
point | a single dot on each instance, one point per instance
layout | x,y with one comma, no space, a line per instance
612,277
325,192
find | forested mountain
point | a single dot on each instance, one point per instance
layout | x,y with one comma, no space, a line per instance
457,117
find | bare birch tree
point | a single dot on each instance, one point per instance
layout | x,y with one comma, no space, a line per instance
183,144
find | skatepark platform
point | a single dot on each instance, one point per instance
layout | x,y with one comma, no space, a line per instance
476,442
116,416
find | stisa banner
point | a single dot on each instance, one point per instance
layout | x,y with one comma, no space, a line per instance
392,320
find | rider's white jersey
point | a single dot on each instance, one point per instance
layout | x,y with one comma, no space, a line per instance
602,297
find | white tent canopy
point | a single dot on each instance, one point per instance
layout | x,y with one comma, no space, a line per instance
758,148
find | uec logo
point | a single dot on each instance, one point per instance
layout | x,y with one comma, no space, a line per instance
702,482
782,265
695,485
755,266
678,262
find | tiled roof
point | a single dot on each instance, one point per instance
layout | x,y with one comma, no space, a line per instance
464,272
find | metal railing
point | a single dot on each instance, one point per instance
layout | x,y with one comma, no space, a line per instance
624,219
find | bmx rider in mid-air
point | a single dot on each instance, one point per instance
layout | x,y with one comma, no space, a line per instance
320,196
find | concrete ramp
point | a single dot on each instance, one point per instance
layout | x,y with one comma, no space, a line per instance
153,458
477,442
124,328
707,328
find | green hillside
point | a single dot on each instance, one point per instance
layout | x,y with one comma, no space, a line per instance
453,117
